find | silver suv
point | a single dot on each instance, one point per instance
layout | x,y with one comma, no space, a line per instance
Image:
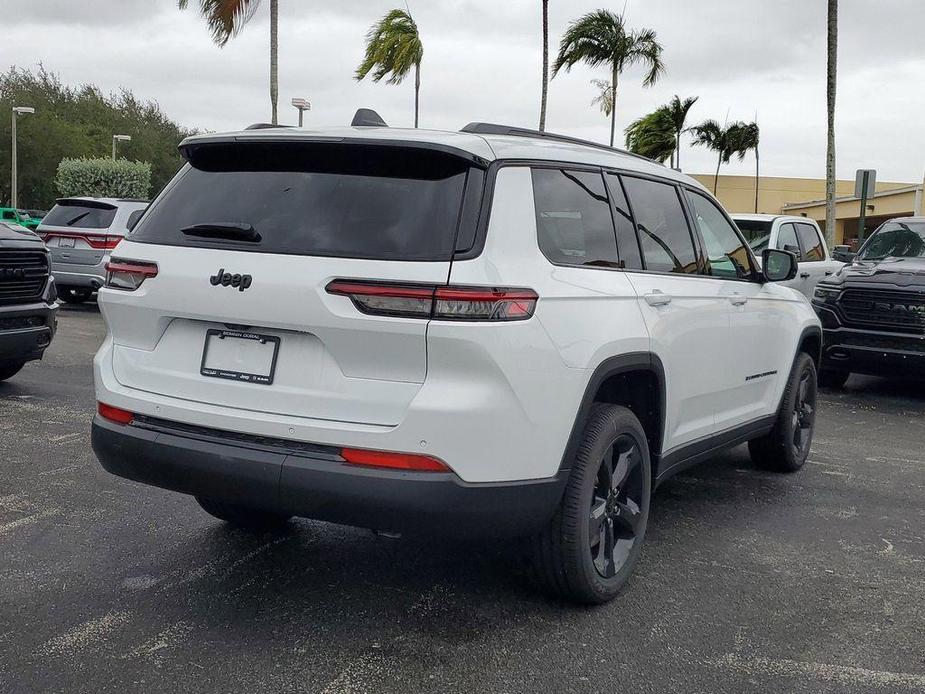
80,234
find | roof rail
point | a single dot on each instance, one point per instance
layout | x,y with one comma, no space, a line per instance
477,128
264,126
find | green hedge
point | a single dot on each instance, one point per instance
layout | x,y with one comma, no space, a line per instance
103,178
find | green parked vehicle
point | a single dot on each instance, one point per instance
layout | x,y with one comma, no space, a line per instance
20,217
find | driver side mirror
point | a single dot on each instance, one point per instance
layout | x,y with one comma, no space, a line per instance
778,266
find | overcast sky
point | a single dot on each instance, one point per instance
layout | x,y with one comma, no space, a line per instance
482,62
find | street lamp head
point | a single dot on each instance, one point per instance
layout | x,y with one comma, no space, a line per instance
20,110
122,138
302,104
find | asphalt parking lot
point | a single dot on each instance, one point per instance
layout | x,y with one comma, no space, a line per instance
749,582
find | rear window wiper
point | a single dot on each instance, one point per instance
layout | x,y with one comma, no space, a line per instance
232,231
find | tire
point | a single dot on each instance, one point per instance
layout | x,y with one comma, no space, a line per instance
243,516
570,560
74,296
786,447
833,379
10,370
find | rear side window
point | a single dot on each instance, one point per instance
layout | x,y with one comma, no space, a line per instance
627,243
573,221
374,202
812,245
80,216
133,219
667,245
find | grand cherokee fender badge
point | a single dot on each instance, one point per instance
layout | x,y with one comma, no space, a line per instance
226,279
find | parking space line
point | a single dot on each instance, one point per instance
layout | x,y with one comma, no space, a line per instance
836,674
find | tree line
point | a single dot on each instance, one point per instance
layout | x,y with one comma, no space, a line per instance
77,122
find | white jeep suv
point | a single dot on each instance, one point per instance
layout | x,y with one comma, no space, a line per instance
491,331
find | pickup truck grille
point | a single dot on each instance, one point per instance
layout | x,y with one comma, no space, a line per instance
884,310
23,275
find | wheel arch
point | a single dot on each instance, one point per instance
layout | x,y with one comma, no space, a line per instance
811,343
635,381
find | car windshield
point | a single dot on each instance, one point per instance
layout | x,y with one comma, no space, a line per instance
757,232
895,240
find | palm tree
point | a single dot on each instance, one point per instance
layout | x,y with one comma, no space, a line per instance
724,140
226,18
748,139
678,110
393,45
600,38
653,135
831,66
545,65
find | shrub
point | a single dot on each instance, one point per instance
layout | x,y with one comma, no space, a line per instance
103,178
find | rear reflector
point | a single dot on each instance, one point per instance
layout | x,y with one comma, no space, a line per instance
394,461
437,302
114,414
128,274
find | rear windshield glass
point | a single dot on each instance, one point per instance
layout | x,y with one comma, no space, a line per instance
80,216
382,203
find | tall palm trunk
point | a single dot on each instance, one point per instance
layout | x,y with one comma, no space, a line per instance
274,59
677,144
757,179
545,65
719,160
417,91
831,65
613,104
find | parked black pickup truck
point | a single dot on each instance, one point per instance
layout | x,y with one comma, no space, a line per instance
873,310
28,299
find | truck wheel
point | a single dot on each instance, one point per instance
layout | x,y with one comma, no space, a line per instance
833,379
74,296
10,370
591,545
242,516
786,448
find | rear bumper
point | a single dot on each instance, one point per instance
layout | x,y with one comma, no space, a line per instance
314,482
873,352
26,331
76,275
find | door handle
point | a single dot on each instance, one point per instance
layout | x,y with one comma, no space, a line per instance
657,298
738,299
804,275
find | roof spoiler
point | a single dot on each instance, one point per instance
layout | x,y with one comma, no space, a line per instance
86,202
367,118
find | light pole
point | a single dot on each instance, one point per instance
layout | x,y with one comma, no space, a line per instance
303,106
119,138
17,111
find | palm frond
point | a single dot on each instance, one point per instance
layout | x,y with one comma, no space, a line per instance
393,48
225,18
604,99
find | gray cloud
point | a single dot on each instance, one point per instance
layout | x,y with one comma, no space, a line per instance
482,62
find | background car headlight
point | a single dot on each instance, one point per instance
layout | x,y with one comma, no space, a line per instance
825,294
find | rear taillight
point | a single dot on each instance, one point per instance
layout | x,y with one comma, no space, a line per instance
437,302
128,274
394,461
103,242
114,414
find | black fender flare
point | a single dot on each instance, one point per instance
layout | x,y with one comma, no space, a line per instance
614,366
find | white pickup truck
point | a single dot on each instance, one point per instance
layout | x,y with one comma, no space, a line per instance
800,235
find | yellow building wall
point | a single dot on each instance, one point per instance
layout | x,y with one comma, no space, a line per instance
737,193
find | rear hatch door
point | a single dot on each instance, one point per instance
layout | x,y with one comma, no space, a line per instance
246,240
79,231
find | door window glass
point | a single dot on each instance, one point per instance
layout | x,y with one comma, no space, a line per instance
812,244
664,236
627,243
727,255
787,240
573,221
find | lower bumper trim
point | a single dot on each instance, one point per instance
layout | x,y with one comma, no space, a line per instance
324,489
